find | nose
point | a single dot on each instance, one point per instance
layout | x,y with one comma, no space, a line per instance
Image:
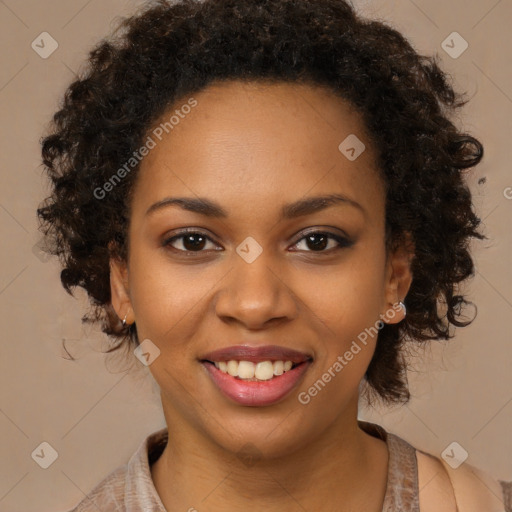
255,294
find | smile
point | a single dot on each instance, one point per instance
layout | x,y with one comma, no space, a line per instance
256,376
247,370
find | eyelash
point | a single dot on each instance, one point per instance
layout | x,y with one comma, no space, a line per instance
342,241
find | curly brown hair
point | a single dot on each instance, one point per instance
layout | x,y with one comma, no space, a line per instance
169,50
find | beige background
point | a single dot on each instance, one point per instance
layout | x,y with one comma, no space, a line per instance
95,415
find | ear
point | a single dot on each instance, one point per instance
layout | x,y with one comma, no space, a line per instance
398,281
119,290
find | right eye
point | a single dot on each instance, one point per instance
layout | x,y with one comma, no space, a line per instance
188,242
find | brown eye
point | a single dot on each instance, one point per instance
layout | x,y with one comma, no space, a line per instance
318,241
192,241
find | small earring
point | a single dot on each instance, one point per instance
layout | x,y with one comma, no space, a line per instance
124,320
403,307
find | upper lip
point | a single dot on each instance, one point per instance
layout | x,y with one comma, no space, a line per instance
255,354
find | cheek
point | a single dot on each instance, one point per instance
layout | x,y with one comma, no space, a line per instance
350,297
349,303
167,298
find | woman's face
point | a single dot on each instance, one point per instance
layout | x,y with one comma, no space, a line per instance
256,276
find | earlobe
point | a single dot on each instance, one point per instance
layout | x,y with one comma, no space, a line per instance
119,291
398,281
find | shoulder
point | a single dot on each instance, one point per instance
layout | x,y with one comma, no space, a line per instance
464,488
435,489
129,488
106,495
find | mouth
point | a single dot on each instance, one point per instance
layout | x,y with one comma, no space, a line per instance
259,371
256,376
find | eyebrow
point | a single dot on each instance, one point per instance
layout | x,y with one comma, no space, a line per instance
208,208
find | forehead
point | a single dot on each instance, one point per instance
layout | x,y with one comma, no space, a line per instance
259,141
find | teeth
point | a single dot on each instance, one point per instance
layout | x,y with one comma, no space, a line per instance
263,371
278,367
247,370
232,368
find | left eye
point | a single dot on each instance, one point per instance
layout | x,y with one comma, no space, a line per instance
195,241
320,239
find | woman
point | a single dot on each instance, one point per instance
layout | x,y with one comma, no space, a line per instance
265,200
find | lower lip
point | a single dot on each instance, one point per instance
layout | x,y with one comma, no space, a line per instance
256,393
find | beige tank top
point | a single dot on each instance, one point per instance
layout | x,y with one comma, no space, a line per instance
402,491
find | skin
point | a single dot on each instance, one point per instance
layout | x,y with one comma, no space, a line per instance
251,148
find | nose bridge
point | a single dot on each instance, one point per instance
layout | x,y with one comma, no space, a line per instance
255,292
